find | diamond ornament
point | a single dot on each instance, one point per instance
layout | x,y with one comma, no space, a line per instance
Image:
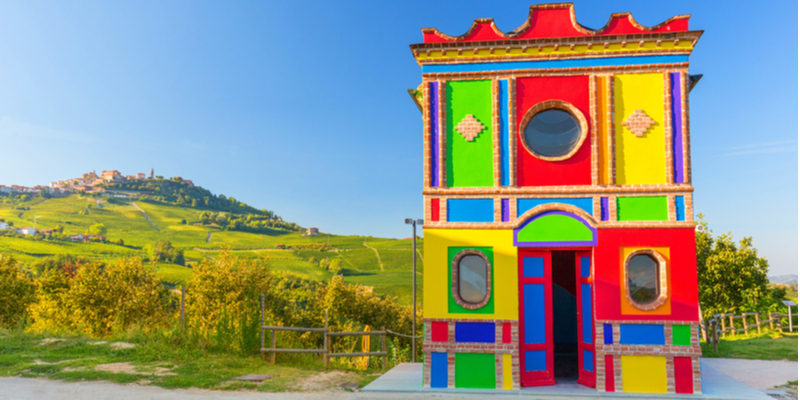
469,127
638,123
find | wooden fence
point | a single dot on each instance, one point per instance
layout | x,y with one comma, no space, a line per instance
327,335
722,325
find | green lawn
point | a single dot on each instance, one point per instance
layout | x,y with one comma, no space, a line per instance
771,345
160,360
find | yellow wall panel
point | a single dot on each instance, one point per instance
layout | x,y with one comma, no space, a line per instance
627,308
644,374
508,379
435,287
639,160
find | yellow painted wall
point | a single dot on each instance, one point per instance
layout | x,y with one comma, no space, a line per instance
435,279
644,374
627,308
603,142
639,160
508,379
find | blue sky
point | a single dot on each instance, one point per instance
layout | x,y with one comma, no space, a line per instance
301,108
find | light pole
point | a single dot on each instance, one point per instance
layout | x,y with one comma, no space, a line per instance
413,222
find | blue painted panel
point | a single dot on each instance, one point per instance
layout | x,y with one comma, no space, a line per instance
586,313
641,334
475,332
588,361
585,62
470,210
585,204
439,370
586,267
608,334
533,296
680,208
535,360
533,267
502,97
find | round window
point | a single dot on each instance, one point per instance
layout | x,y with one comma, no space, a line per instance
552,132
643,281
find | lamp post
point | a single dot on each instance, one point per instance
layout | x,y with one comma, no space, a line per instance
413,222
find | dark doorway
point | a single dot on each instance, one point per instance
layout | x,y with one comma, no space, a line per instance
565,315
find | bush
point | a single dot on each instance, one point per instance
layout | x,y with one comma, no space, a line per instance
98,300
16,292
223,303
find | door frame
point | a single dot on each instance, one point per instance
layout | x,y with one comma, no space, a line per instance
548,377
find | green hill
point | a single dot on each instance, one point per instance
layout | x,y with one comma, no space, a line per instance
384,264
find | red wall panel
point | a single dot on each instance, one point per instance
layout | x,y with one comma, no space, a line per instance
683,269
684,377
575,170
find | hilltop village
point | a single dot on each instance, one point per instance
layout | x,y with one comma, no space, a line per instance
88,182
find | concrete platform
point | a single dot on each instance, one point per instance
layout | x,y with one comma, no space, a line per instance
407,378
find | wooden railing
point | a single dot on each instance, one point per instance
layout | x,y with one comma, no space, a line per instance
722,325
326,350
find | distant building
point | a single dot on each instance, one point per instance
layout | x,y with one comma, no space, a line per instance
3,225
26,231
113,175
152,173
312,232
188,182
76,238
141,176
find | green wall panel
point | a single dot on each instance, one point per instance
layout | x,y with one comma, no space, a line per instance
454,307
555,228
469,164
642,208
475,371
682,335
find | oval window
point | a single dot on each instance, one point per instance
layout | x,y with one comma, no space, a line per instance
643,282
552,133
472,279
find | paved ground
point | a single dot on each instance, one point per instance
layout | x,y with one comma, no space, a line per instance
759,374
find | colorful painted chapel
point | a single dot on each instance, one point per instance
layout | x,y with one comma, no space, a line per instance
559,238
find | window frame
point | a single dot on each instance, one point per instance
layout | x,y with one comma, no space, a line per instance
559,105
661,275
456,279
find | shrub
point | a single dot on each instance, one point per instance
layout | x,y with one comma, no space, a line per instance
16,292
222,304
98,300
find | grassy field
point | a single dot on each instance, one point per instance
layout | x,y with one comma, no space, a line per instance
162,361
384,264
767,346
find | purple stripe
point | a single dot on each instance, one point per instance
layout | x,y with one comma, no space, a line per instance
505,209
434,104
677,127
592,242
604,209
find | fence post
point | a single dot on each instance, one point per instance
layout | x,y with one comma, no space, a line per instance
183,303
724,330
706,334
325,359
744,322
383,346
733,326
791,326
262,323
771,322
274,343
716,333
758,323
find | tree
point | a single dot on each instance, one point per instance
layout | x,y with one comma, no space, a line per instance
731,278
163,251
98,229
